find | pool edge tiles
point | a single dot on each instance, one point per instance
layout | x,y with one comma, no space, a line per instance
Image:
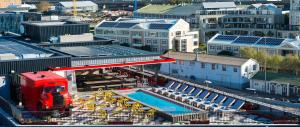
162,104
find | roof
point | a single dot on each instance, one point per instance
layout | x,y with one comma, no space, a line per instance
278,77
207,58
42,75
21,50
220,5
159,9
184,10
252,41
52,23
163,24
79,3
101,51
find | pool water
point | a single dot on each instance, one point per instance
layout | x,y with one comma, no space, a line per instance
160,104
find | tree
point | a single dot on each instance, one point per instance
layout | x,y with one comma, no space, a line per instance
43,6
247,52
291,63
274,62
202,47
175,2
261,58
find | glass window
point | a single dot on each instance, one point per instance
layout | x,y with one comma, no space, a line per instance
213,66
192,63
254,67
202,65
178,33
195,43
234,69
223,67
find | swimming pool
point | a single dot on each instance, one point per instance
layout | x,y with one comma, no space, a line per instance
160,104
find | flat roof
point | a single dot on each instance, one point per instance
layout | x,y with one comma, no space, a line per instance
126,23
52,23
159,9
220,5
21,50
278,77
207,58
101,51
184,10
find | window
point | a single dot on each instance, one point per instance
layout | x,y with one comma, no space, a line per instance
254,67
195,35
223,67
164,42
213,66
192,63
212,47
195,43
246,69
174,71
178,33
202,65
234,69
181,62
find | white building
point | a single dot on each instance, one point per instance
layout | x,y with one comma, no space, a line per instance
222,71
158,34
230,19
233,43
225,18
82,6
295,13
276,83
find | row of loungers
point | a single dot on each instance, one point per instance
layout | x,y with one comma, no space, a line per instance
199,97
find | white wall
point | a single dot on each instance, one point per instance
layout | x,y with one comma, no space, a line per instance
227,78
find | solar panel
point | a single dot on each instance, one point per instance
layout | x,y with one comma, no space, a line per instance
246,40
108,24
226,37
125,25
18,49
160,26
270,41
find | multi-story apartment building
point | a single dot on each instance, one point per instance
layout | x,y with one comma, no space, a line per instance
295,13
158,34
226,18
221,71
272,46
230,19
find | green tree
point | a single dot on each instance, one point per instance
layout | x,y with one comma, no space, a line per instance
43,6
261,58
175,2
202,47
291,64
274,62
247,52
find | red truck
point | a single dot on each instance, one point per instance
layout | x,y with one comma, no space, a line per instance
45,91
